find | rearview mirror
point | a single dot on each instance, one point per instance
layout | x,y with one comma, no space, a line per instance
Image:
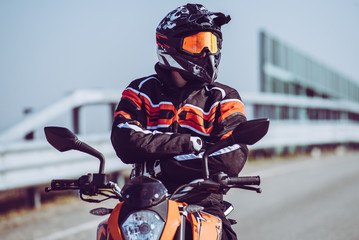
61,138
248,133
251,131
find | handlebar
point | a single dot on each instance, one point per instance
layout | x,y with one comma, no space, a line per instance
87,184
251,180
244,182
238,182
96,184
219,183
63,184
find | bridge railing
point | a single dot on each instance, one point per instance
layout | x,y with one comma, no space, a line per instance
24,164
30,163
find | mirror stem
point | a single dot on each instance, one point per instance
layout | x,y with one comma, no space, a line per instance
211,149
205,165
81,146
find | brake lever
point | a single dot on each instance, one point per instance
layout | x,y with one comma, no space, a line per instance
207,184
94,200
89,199
116,189
258,190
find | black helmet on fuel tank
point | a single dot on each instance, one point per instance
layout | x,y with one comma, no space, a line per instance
189,40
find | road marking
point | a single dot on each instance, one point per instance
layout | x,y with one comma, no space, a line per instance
74,230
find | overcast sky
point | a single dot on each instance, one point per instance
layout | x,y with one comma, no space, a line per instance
50,48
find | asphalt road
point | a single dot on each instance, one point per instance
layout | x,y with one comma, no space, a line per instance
303,198
306,200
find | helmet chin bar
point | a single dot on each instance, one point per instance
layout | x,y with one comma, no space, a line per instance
211,66
202,69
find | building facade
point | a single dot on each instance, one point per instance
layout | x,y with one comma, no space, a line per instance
309,104
286,71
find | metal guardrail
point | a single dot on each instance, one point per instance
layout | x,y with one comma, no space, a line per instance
32,163
25,164
297,133
37,120
84,97
29,163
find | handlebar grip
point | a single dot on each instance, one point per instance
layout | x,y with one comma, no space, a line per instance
251,180
64,184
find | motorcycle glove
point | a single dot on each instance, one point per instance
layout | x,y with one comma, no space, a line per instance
197,143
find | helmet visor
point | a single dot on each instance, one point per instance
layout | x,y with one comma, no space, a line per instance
195,44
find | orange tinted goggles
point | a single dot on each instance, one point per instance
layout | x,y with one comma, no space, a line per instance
195,43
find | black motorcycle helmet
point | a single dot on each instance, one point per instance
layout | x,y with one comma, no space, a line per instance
179,31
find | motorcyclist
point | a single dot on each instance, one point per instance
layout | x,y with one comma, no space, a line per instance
168,118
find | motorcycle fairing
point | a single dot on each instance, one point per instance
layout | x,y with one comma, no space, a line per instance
102,230
173,221
205,226
113,229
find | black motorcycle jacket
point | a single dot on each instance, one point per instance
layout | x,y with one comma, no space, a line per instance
154,120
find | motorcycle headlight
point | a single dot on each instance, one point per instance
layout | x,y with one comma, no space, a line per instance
144,225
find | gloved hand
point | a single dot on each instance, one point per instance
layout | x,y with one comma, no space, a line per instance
197,143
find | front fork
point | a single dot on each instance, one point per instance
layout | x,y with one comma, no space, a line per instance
181,231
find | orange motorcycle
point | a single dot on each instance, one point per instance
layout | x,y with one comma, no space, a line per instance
145,209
